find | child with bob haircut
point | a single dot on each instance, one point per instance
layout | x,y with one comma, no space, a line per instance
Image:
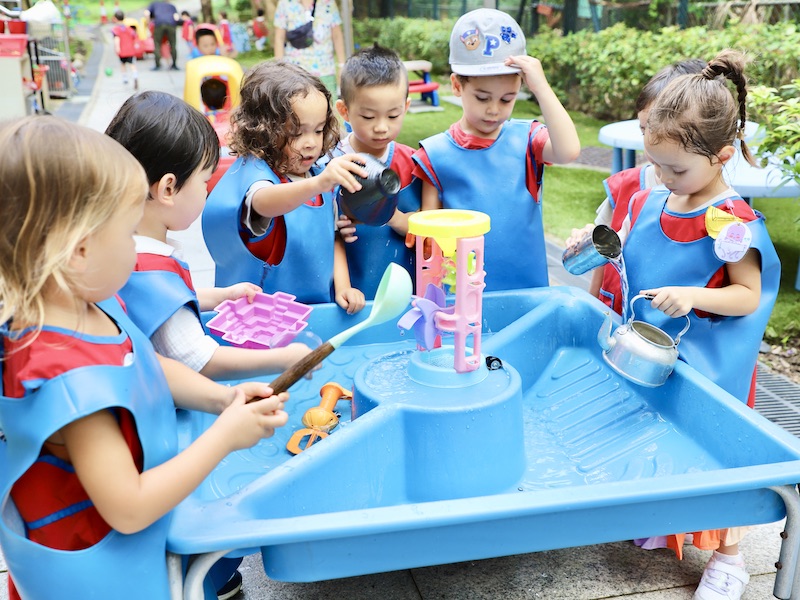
270,219
90,458
374,101
721,270
179,151
490,162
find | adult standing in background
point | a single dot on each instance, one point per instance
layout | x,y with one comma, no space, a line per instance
166,19
326,50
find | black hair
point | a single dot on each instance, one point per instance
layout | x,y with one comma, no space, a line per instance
202,32
260,12
119,15
371,67
660,80
214,93
166,135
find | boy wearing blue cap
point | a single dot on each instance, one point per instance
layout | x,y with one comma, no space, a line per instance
489,162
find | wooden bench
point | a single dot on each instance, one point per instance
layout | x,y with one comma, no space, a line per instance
429,90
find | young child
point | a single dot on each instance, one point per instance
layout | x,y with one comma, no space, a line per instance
187,30
206,41
260,30
374,101
126,44
90,457
489,162
179,151
224,28
624,184
725,281
270,218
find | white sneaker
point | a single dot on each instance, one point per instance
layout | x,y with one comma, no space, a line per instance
721,581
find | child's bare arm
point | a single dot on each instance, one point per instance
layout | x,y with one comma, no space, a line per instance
563,145
739,298
210,298
399,222
131,501
229,362
276,200
193,391
430,197
348,297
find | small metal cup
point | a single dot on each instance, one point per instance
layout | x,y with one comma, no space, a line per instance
376,201
595,249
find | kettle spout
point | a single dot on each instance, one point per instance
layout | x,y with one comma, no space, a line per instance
604,337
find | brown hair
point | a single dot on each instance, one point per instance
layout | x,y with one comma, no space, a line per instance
60,183
699,111
264,123
660,80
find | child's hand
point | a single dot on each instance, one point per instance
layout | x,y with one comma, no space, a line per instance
532,72
673,301
351,299
577,234
340,170
253,390
244,424
293,353
236,291
346,228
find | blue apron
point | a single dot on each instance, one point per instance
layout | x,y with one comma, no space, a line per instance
492,180
724,349
152,297
123,567
307,266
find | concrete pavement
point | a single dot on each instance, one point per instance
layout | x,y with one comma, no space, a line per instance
617,570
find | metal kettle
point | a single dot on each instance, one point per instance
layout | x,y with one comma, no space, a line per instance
638,351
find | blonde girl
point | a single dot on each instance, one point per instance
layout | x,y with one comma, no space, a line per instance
90,462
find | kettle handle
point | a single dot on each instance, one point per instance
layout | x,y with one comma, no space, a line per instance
649,297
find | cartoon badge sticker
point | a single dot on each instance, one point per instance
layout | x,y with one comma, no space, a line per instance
471,39
733,242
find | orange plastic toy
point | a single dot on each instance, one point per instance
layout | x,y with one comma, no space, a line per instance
319,420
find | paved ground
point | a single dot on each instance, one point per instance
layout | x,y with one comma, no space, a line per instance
617,570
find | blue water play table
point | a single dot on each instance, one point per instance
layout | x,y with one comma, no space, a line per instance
552,450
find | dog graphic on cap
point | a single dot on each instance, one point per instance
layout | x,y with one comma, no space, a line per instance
471,39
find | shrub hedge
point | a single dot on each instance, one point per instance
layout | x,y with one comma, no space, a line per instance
601,73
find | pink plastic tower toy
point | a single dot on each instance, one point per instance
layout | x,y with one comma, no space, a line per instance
270,321
456,238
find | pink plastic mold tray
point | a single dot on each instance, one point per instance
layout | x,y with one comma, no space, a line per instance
270,321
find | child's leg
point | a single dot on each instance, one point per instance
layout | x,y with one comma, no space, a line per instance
124,69
135,74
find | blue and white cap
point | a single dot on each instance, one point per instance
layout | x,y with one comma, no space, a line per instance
481,41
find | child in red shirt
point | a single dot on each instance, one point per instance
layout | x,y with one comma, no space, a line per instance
126,44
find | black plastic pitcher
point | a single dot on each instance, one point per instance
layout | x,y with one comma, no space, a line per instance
376,201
